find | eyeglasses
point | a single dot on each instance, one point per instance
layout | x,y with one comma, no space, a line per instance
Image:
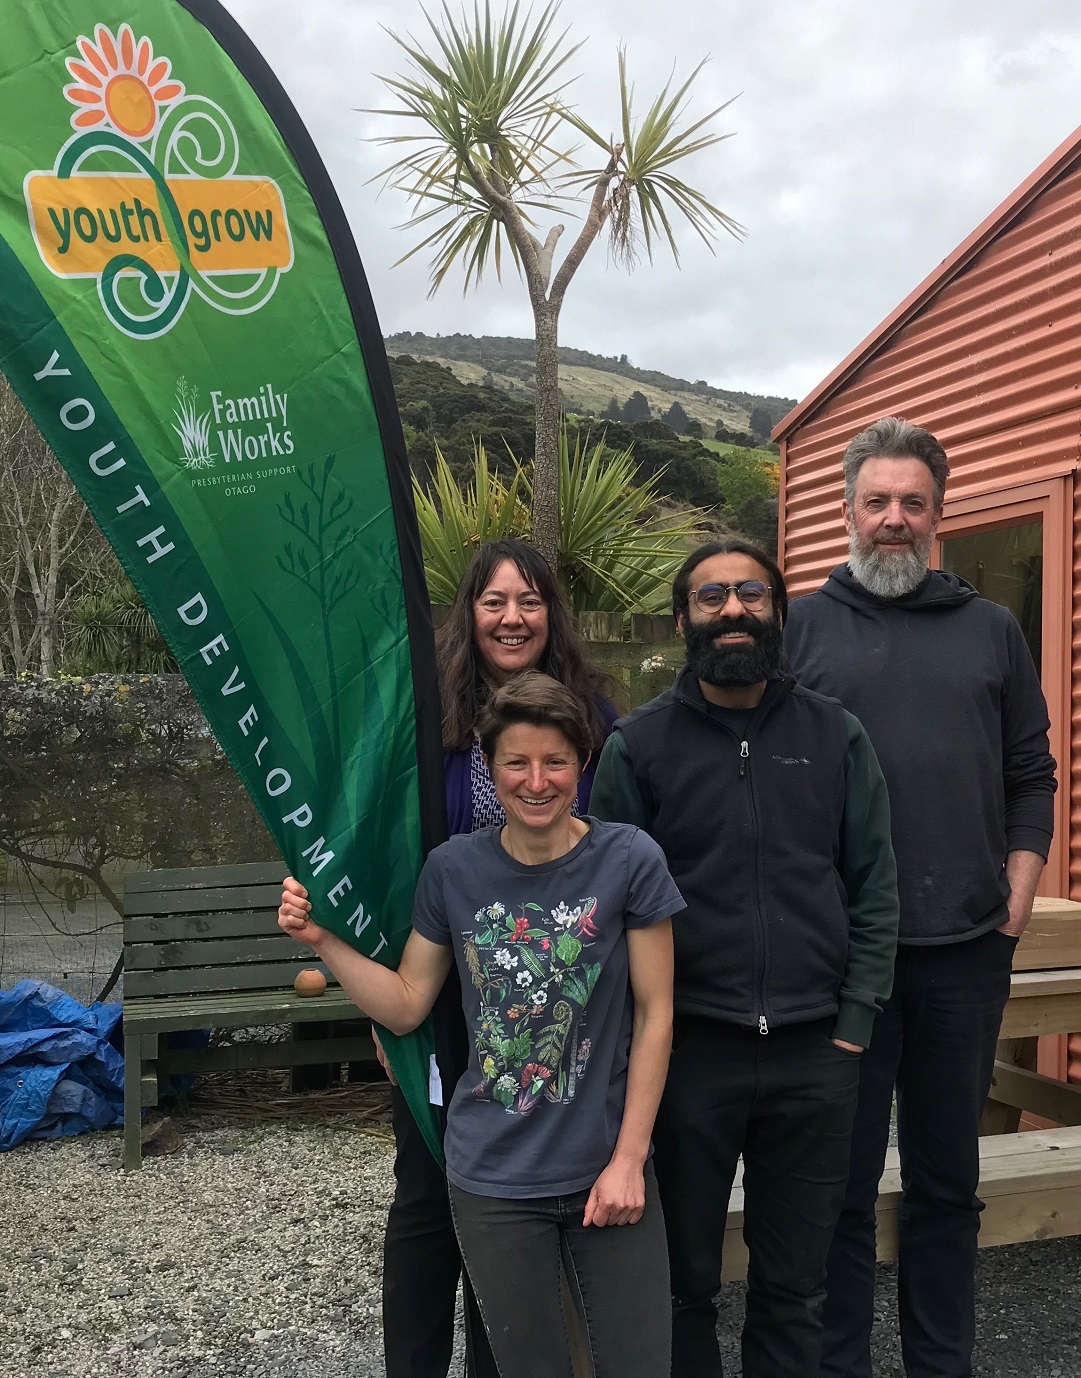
752,593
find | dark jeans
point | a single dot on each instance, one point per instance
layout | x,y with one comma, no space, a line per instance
514,1251
785,1100
421,1259
935,1041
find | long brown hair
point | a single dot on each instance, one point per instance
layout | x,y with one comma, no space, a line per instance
463,688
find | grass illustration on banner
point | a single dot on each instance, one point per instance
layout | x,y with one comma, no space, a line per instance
322,525
193,427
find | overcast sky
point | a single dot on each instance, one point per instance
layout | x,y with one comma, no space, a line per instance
869,140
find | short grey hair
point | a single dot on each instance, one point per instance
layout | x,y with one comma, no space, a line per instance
892,437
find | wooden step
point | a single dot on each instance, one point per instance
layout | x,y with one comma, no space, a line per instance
1030,1184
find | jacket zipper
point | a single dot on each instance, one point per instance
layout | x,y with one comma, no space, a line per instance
744,757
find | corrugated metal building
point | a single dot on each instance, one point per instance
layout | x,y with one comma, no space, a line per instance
986,353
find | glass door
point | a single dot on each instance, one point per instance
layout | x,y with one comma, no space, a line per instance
1016,548
1005,565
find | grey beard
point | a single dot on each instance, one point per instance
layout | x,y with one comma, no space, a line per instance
888,574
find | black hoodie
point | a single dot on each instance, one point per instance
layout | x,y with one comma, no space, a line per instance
944,684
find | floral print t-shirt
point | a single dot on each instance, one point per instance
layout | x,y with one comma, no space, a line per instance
542,955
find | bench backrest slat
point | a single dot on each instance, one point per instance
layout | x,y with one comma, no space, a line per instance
205,901
213,929
159,956
187,878
169,928
269,976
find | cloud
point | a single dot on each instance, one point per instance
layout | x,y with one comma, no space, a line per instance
870,140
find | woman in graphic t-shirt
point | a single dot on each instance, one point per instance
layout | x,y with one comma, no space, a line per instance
560,928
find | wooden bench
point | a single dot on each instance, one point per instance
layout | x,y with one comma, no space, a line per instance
202,949
1030,1184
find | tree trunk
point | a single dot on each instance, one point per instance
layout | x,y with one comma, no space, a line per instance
546,451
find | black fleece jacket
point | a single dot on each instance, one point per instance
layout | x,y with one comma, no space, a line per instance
944,683
777,833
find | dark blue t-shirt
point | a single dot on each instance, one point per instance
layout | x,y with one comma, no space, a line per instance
542,954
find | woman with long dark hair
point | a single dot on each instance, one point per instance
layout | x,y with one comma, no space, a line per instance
510,614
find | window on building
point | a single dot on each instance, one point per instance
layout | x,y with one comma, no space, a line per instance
1005,565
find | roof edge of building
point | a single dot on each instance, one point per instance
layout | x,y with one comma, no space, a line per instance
1053,166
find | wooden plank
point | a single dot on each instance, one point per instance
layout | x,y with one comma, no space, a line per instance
207,900
1033,985
1039,1095
198,877
1053,937
282,1053
1030,1184
1050,1014
268,976
216,952
133,1111
1029,1213
1006,1146
178,927
149,1088
235,1011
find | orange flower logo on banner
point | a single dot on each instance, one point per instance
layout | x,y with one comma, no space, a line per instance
120,83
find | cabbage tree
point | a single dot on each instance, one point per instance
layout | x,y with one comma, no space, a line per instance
488,152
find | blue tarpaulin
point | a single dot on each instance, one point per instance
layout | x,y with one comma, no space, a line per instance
59,1072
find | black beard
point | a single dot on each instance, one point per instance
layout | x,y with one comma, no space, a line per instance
733,666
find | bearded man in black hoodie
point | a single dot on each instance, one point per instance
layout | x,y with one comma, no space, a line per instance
944,683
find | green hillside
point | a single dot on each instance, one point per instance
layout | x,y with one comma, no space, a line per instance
442,414
588,382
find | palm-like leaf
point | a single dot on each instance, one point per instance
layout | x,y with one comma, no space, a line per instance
617,553
486,97
454,522
646,190
112,632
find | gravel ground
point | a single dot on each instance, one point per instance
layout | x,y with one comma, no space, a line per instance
252,1251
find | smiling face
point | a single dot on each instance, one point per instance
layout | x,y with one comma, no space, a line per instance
891,523
510,624
732,646
535,771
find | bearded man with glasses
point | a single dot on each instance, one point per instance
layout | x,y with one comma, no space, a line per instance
769,804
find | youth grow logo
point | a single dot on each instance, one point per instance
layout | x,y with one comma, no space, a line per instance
145,196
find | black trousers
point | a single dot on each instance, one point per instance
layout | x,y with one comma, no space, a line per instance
421,1259
786,1101
935,1041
